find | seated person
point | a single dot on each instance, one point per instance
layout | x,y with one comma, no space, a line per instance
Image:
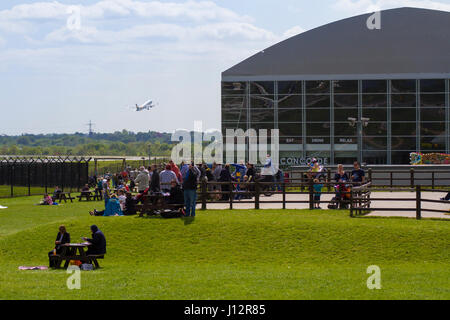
176,194
61,238
98,242
130,205
112,208
85,190
56,193
122,198
47,201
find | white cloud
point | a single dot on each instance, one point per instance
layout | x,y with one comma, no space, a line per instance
2,42
293,32
364,6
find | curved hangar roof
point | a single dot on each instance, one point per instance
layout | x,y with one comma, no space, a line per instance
412,43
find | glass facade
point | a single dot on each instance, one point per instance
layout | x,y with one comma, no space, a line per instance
373,121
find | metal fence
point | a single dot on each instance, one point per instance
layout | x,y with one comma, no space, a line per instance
26,176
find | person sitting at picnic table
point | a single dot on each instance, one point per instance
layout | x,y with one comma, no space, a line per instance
97,243
56,193
112,208
358,174
85,190
130,205
176,194
166,176
62,237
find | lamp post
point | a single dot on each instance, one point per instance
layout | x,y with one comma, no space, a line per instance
359,124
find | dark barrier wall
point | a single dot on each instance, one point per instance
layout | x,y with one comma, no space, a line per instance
21,177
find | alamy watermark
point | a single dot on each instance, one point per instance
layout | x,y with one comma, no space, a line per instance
239,146
374,281
74,280
73,22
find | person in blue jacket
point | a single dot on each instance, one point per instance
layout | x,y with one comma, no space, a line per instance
112,208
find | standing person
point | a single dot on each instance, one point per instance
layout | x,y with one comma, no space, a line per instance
98,242
279,179
142,180
190,191
99,188
176,170
62,237
166,176
317,193
358,174
225,176
341,179
155,185
106,189
217,169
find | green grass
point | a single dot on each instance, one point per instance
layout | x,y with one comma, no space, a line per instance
241,254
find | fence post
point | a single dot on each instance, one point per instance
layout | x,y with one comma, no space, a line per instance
369,172
311,195
418,203
351,203
411,171
204,194
329,179
11,175
29,178
284,195
257,191
231,196
432,180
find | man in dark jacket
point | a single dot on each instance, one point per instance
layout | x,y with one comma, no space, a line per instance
190,190
176,194
62,238
98,242
155,185
225,176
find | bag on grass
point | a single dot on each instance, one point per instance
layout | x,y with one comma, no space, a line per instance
87,267
171,214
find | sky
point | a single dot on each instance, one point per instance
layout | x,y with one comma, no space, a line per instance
65,63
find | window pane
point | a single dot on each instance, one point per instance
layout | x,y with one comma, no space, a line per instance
290,102
403,100
403,128
234,88
319,101
233,126
432,114
289,87
403,114
375,143
375,129
259,126
346,101
432,85
262,115
261,102
375,114
432,128
403,86
400,157
234,115
290,130
317,86
346,140
289,115
432,143
291,140
234,103
374,86
262,87
344,129
432,100
318,115
345,86
318,129
344,114
374,157
403,143
374,101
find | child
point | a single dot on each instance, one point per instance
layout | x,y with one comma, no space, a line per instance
122,199
48,201
317,193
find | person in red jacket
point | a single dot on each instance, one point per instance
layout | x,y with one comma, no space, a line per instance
176,170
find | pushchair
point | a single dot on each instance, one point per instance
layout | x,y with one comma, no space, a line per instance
342,198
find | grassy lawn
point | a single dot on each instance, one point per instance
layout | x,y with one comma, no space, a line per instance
241,254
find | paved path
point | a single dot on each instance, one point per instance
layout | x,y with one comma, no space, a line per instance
375,204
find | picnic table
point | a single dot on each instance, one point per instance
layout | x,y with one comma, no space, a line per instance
91,195
154,202
64,196
69,252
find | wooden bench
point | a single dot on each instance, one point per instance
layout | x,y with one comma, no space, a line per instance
93,259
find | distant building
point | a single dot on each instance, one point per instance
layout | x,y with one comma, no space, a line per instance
392,83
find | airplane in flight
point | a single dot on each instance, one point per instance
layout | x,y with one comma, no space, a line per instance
145,106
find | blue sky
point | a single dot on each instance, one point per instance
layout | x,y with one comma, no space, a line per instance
54,78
